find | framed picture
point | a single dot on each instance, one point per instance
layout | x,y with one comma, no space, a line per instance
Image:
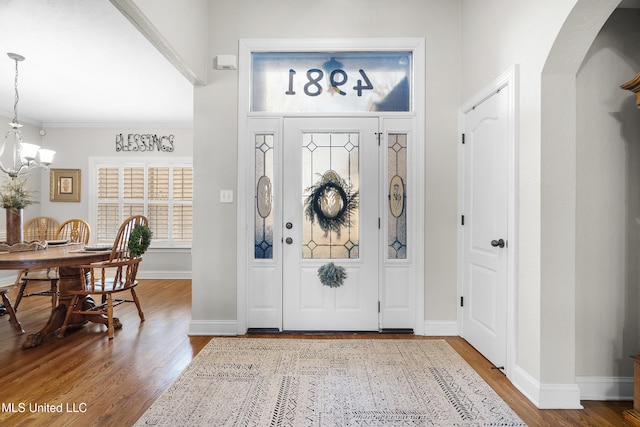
64,185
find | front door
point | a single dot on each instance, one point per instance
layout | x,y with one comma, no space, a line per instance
330,224
485,240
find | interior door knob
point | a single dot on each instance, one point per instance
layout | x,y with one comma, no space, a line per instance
288,240
497,243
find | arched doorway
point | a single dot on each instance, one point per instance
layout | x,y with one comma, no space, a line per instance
558,198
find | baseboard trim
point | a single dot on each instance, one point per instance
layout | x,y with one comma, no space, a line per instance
546,396
158,275
213,327
605,388
441,328
161,274
8,280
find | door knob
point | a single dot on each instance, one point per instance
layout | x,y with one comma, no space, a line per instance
289,226
497,243
288,240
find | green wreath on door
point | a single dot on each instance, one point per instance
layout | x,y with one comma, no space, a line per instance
331,202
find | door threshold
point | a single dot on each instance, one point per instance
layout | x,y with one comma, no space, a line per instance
276,331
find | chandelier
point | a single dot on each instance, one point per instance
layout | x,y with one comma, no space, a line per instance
25,155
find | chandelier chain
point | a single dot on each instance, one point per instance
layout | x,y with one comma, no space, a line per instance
17,97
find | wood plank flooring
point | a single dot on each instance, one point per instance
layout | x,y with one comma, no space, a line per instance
102,382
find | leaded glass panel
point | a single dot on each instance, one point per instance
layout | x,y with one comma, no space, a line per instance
263,216
397,175
330,179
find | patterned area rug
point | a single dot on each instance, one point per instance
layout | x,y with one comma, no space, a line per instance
308,382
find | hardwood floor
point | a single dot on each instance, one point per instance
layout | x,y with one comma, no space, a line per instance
113,382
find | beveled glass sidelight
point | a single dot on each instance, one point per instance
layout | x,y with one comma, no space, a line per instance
397,179
263,215
330,179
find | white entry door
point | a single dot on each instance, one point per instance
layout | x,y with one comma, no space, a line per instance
330,224
485,240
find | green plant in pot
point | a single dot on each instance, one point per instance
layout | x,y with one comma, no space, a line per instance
15,196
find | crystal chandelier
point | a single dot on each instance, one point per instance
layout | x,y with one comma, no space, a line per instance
25,156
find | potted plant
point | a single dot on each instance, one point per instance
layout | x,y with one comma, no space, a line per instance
15,197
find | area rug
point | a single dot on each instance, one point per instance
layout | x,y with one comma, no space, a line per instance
342,382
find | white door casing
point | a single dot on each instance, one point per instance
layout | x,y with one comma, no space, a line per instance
260,281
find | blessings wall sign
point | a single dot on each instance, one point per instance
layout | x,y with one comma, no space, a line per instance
141,143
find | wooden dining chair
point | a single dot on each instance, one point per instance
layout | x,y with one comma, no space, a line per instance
40,228
106,278
6,302
75,231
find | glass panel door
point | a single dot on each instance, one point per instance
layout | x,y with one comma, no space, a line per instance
330,219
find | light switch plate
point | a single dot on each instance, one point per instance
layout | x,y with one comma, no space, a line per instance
226,196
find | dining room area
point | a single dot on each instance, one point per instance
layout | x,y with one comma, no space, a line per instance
66,353
67,212
95,137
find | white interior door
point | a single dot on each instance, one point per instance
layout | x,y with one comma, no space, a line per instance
485,240
330,224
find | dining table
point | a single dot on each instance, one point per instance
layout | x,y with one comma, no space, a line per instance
67,258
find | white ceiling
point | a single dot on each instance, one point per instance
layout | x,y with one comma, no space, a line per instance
86,65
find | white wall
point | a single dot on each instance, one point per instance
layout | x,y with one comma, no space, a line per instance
608,202
215,125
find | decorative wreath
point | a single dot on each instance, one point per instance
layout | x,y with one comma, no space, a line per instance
324,192
139,240
331,275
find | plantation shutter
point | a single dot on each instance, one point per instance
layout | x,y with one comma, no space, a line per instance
164,194
182,204
108,200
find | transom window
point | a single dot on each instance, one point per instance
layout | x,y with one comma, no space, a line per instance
162,190
331,81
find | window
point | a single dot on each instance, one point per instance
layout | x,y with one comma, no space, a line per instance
331,81
162,190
